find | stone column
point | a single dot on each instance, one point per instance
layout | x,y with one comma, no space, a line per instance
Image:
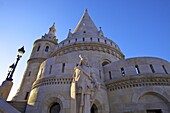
73,97
86,103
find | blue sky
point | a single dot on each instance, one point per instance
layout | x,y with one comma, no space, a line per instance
139,27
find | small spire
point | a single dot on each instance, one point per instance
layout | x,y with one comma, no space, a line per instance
52,29
86,10
101,32
85,24
53,25
69,30
69,34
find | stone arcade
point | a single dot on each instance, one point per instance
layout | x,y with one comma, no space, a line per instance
88,73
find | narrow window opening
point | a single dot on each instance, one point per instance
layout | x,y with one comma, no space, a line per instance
63,67
46,48
123,71
100,75
26,96
29,74
63,43
105,41
84,32
91,39
50,69
137,69
98,40
111,43
76,40
83,39
38,48
69,41
152,69
164,69
110,75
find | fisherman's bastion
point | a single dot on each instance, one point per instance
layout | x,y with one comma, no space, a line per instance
88,73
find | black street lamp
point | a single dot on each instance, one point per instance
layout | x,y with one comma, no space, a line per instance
11,70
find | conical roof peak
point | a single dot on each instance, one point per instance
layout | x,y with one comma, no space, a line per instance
86,25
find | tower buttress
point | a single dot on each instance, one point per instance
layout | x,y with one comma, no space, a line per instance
43,48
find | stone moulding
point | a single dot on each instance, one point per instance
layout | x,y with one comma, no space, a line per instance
85,46
52,81
40,60
138,82
56,80
52,41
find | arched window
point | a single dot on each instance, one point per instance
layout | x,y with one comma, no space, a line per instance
94,109
55,108
38,48
105,62
46,48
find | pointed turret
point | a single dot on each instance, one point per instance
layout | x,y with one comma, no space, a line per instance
101,32
69,34
52,30
86,26
51,34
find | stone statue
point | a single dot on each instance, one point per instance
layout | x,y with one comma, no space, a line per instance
86,84
83,61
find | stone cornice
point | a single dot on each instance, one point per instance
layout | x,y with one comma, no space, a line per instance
56,80
56,43
81,46
141,81
40,60
52,81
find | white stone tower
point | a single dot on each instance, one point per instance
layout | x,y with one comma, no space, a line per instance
42,49
53,84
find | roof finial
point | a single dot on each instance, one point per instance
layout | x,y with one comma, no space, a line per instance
52,29
53,24
86,10
101,32
69,30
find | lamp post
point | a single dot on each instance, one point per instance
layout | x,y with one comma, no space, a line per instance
11,70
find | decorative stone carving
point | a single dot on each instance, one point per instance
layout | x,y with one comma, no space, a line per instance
86,84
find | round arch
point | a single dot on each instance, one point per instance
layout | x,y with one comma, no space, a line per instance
96,105
55,108
50,100
105,62
159,92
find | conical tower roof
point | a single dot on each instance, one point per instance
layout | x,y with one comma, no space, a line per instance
86,25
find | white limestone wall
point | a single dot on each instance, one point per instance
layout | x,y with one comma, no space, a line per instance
47,91
138,92
143,64
139,99
85,39
41,44
70,60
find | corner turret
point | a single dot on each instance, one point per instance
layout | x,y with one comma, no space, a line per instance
43,48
